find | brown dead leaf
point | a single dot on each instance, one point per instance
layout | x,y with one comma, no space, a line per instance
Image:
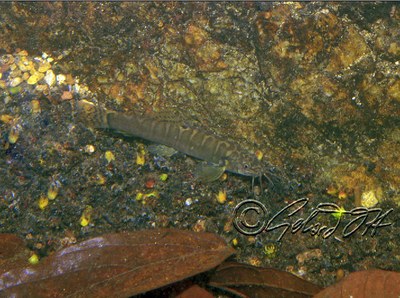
118,265
195,291
10,245
367,284
249,281
13,252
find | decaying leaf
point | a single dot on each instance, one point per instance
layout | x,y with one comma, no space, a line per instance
249,281
13,252
195,291
367,284
118,265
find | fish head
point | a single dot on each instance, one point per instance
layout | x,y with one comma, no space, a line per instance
247,165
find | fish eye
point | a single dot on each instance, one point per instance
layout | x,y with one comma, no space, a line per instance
246,166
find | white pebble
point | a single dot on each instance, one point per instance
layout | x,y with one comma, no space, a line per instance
50,78
15,82
60,79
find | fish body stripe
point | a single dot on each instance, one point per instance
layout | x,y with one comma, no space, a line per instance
190,141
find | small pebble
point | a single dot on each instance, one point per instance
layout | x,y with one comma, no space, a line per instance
60,79
34,78
164,177
50,78
6,118
34,259
15,82
150,183
22,53
109,156
86,216
53,190
188,201
35,106
44,66
26,76
89,149
259,155
221,197
369,199
13,135
43,202
66,95
340,274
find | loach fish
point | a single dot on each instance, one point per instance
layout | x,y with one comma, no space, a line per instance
218,155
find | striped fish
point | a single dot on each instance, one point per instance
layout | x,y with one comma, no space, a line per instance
219,155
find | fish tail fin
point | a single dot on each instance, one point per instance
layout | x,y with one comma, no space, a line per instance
92,115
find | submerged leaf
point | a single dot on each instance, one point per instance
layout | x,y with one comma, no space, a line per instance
249,281
367,284
118,265
195,291
13,252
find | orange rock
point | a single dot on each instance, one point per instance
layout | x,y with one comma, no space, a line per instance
195,36
66,95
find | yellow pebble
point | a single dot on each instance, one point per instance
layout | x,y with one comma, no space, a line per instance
22,53
223,177
43,202
24,65
259,154
140,155
25,76
13,135
369,199
84,221
99,179
35,106
6,118
86,216
163,177
342,195
53,190
34,259
44,66
120,77
34,78
221,197
109,156
140,158
254,261
139,196
270,250
331,190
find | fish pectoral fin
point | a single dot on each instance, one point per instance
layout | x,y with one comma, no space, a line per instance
207,172
161,150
